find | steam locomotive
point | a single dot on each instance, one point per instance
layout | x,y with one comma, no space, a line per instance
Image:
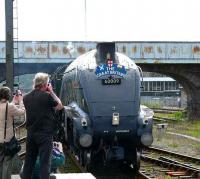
103,117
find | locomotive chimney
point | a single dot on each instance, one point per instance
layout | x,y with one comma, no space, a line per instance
105,52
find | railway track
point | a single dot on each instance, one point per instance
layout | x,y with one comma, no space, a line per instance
167,110
20,132
98,169
159,118
163,119
157,163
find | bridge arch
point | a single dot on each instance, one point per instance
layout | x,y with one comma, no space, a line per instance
188,75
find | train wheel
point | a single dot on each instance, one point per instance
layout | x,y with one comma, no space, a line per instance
65,129
136,162
85,159
68,132
133,158
66,136
88,160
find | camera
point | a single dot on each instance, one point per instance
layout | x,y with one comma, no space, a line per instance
17,93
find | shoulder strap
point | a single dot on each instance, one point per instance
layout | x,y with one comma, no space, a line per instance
13,128
5,126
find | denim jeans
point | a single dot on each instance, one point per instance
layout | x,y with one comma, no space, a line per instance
38,144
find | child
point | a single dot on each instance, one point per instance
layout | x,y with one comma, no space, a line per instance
57,159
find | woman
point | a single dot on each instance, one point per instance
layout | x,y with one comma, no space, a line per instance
12,110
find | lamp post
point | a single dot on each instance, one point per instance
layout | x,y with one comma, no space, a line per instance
9,43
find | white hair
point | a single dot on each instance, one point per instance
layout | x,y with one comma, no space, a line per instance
40,79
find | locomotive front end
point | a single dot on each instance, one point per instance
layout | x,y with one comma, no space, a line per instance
104,86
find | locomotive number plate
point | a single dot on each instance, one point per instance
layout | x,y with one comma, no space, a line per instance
114,81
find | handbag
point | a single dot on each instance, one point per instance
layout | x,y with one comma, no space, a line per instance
13,146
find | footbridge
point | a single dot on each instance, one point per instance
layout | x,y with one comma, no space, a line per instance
180,60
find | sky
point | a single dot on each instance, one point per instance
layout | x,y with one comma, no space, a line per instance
106,20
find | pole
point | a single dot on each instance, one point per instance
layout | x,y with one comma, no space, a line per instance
9,43
85,18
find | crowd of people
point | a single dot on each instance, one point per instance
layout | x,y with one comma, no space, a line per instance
43,155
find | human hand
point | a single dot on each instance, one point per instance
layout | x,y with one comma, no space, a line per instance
49,87
17,98
60,147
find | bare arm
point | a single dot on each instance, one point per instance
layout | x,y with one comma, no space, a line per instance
59,105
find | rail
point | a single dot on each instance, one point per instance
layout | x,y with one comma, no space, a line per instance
158,162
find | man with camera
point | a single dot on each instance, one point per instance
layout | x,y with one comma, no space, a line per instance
40,105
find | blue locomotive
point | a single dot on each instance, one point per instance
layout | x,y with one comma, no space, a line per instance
101,92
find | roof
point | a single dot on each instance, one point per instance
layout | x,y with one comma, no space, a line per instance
158,79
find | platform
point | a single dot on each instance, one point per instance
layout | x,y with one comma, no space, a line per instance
65,176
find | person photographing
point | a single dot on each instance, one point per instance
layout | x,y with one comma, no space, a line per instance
7,113
40,104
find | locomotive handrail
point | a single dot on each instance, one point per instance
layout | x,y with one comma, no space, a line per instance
141,75
77,109
18,128
58,71
21,125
